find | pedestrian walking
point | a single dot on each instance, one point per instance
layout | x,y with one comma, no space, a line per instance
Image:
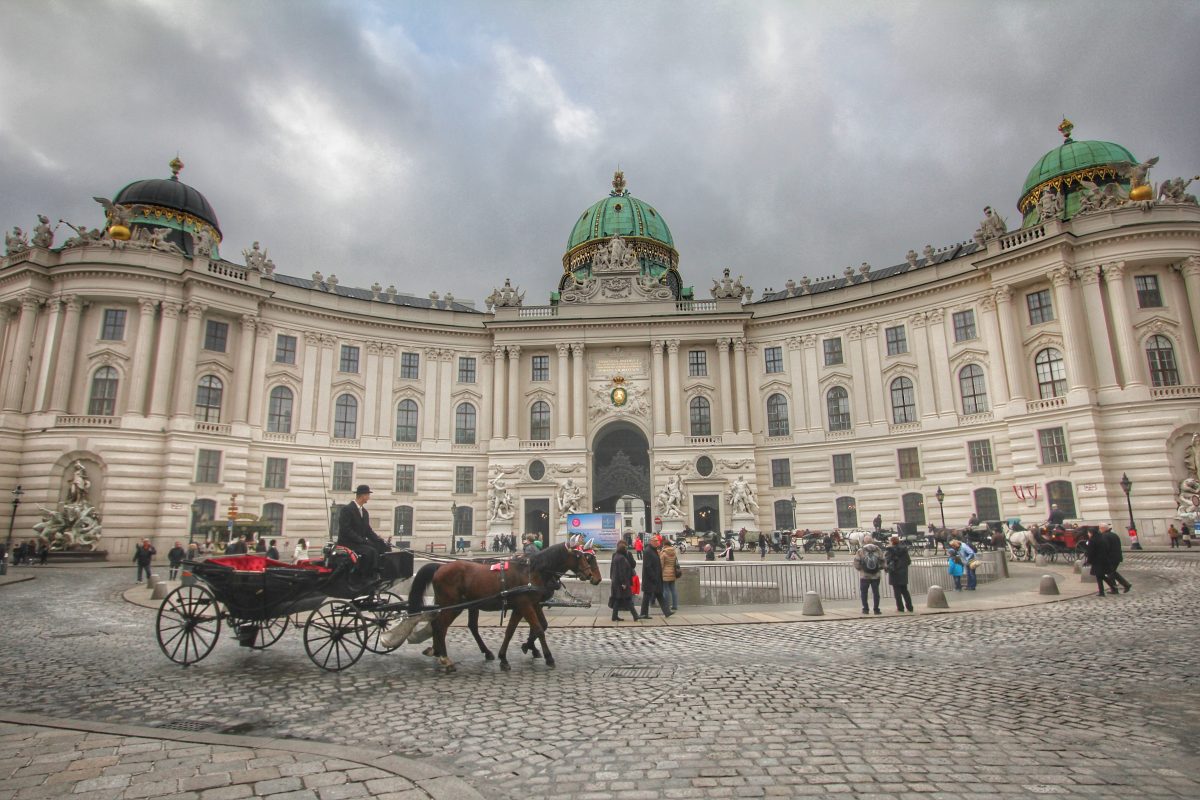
174,560
896,560
709,555
792,553
1096,549
652,578
301,550
43,552
727,553
193,551
142,556
869,563
639,547
620,573
827,543
954,567
1173,535
1185,535
1113,542
671,572
762,546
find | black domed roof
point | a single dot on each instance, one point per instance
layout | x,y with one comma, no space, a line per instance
169,193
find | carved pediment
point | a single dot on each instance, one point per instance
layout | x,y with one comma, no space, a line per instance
970,355
466,394
1156,325
698,384
215,366
1043,339
900,367
836,376
407,393
107,358
284,378
776,385
348,385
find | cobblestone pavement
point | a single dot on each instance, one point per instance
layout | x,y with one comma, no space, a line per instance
1073,699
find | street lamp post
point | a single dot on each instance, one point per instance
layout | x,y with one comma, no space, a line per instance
453,522
794,523
16,501
1126,485
940,495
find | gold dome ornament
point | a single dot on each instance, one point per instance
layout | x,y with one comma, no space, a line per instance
619,395
1143,192
119,232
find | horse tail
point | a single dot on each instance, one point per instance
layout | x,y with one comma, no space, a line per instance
419,583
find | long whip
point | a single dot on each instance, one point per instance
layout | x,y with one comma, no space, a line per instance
329,529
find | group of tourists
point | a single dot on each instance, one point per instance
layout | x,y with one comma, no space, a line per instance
1105,557
660,570
34,552
1175,535
871,561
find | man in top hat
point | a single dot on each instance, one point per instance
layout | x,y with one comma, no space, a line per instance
355,533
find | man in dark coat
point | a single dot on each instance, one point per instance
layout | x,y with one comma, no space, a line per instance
355,533
652,578
1113,543
142,556
1097,558
896,560
620,575
175,560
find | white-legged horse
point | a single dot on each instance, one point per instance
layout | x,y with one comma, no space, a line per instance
1019,541
858,538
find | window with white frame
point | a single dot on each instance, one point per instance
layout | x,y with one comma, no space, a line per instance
904,401
979,456
1051,374
964,325
773,359
897,340
777,416
972,389
1052,442
275,473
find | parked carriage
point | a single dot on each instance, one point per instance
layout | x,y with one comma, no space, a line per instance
1065,543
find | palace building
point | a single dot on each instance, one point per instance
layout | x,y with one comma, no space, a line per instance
1023,368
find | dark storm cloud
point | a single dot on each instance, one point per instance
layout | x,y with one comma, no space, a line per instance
448,146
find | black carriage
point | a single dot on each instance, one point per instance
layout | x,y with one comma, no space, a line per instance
1068,544
258,598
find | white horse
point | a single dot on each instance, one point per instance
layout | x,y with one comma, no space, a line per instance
1019,541
857,538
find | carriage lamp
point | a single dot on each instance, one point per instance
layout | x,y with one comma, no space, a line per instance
16,501
453,522
1126,485
940,495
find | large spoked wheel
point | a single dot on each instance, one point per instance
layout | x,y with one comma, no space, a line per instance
377,620
258,634
1048,552
188,624
335,636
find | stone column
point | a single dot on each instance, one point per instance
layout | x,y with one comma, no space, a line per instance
1073,344
60,390
741,383
816,410
1106,374
139,381
373,388
674,402
432,412
499,387
486,378
874,376
241,374
514,391
926,403
444,385
658,387
18,370
49,350
997,380
562,406
726,380
578,398
1127,349
263,349
324,419
860,408
1010,343
939,360
5,317
802,413
1191,281
185,379
164,362
387,406
310,377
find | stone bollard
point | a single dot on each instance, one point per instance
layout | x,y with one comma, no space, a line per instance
150,581
812,605
936,598
1048,585
161,588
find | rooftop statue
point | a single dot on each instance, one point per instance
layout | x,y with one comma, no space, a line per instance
202,243
43,235
1139,188
1174,191
1050,205
504,297
255,258
154,239
117,214
728,288
15,242
993,225
83,235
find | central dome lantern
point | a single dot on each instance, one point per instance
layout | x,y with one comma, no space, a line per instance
637,222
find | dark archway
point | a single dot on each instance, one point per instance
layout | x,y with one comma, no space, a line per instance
537,518
620,466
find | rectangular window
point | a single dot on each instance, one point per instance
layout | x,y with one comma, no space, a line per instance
1040,309
285,349
466,369
843,468
833,351
979,456
464,480
781,472
541,368
410,366
343,476
275,476
406,478
216,336
113,329
897,341
349,359
208,466
909,460
773,359
697,363
964,326
1053,444
1147,291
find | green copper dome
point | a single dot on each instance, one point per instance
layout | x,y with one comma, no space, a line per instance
620,214
1064,168
1071,156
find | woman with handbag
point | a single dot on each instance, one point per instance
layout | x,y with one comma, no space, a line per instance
620,573
966,554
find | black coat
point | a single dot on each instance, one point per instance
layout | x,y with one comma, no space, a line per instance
651,572
620,573
175,557
1112,544
354,530
142,555
896,560
1097,555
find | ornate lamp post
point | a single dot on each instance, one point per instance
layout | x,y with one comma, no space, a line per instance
453,523
940,495
1126,485
794,523
16,501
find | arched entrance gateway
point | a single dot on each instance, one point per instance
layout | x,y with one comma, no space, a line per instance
620,466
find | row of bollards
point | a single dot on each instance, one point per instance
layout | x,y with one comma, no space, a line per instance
935,598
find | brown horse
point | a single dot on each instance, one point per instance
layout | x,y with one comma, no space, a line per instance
518,585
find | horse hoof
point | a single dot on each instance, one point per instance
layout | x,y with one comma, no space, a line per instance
525,648
428,651
488,657
550,663
504,667
449,668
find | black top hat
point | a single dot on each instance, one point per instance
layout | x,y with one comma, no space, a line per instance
362,489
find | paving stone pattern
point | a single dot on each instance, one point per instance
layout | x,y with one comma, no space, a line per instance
1085,698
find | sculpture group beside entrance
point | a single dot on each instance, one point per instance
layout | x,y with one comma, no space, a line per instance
76,526
569,498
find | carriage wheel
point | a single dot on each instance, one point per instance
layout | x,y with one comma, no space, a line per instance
335,636
259,634
377,621
1048,552
188,624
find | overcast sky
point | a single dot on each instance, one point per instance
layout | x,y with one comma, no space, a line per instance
446,146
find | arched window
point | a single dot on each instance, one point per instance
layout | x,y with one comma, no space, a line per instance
273,513
208,399
539,421
987,504
279,410
913,505
1051,376
777,415
1161,356
464,520
403,521
103,402
847,513
837,404
345,417
1060,493
464,424
785,517
972,389
904,402
406,421
700,414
